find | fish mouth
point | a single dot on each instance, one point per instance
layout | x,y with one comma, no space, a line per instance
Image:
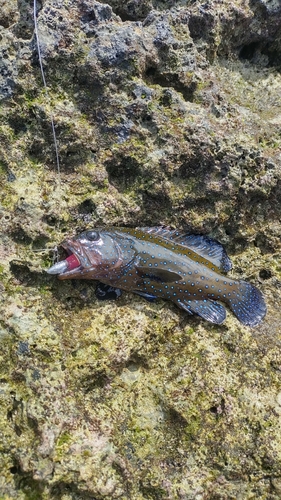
73,264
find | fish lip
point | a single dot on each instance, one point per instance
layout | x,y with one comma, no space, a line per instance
73,247
70,249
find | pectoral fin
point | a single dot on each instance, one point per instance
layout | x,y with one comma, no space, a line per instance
147,296
160,275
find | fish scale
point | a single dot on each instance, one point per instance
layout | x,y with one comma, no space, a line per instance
162,263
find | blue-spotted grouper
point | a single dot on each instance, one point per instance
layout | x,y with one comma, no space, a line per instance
158,262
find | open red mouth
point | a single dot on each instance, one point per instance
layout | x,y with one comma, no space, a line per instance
71,262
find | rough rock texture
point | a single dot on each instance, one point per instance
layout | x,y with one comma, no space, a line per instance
166,112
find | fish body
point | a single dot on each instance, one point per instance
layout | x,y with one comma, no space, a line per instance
160,263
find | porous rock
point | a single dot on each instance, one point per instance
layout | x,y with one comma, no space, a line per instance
165,112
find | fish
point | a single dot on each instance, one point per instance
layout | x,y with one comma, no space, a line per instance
159,262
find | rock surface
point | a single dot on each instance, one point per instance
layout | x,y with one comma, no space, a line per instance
166,112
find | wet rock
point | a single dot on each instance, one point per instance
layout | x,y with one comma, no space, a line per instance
165,114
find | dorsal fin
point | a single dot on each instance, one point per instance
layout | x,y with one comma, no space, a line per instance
203,245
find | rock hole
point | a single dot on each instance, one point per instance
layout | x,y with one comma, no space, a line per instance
123,173
248,51
87,207
265,274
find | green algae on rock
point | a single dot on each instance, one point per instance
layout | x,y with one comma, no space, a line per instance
165,113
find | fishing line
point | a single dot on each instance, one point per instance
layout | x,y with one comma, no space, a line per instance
36,31
46,88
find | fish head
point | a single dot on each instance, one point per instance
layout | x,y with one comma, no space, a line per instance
96,254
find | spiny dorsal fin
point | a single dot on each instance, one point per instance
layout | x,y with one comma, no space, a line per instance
203,245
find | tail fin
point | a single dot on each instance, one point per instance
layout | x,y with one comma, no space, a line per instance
248,304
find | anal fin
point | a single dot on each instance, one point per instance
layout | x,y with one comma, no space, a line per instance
185,306
210,310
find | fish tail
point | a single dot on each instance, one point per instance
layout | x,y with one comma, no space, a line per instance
248,304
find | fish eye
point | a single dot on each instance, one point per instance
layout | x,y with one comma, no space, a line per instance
92,235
